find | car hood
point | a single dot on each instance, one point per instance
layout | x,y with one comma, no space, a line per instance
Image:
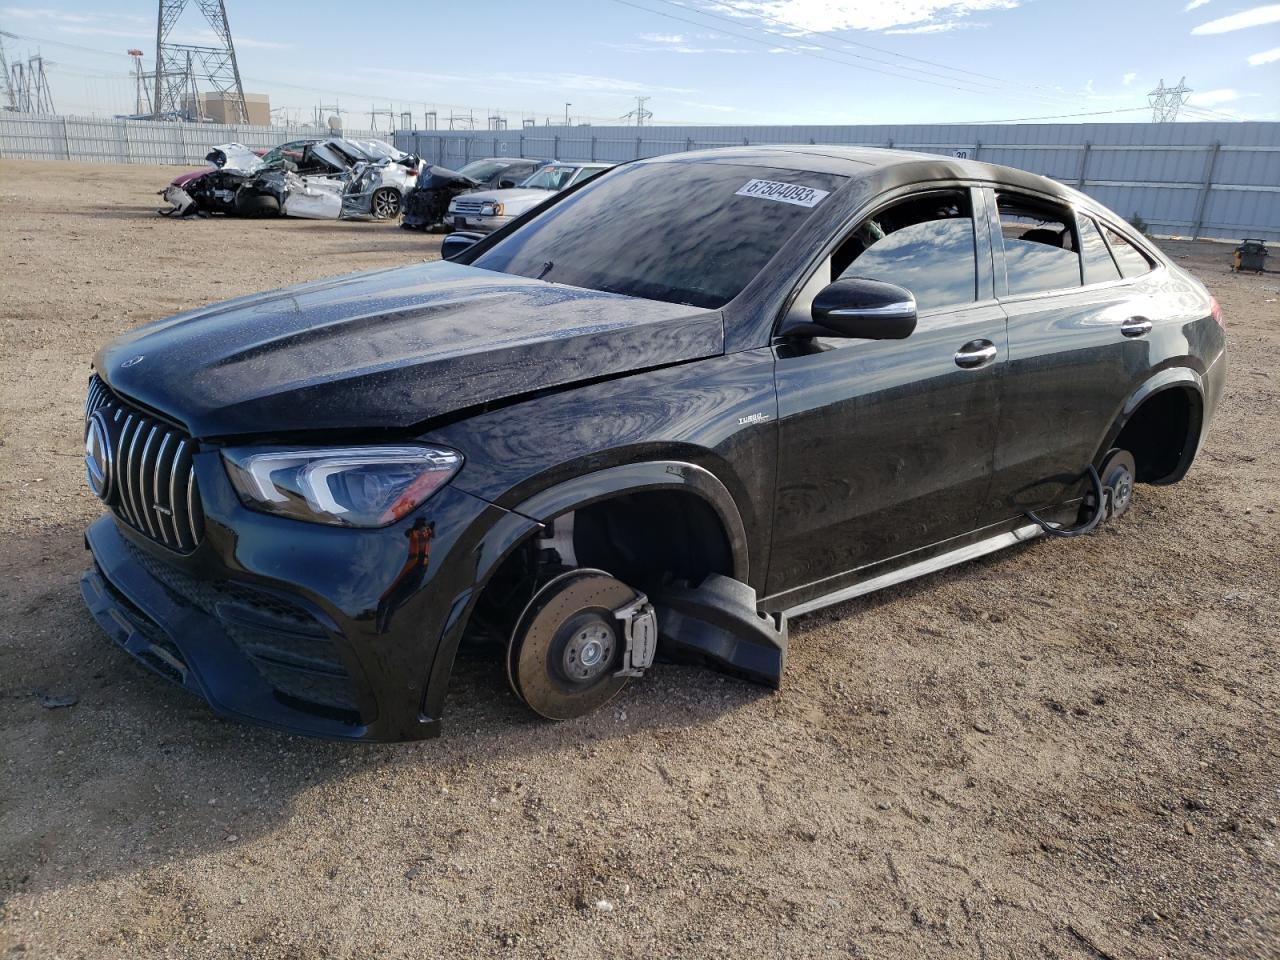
392,349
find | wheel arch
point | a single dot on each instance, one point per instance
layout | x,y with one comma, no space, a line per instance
529,517
1176,392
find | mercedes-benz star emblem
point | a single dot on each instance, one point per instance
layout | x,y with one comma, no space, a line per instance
97,456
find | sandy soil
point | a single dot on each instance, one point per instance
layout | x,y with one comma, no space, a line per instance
1068,750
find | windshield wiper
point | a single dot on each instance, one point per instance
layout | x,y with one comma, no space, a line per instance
546,268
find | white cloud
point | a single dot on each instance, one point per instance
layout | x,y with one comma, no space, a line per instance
1212,98
1195,3
1266,56
1129,77
677,43
820,16
1257,17
942,26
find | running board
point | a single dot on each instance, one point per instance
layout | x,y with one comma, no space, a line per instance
920,569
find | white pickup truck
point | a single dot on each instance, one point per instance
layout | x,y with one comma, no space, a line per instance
487,210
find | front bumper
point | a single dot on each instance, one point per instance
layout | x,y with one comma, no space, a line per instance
480,224
317,630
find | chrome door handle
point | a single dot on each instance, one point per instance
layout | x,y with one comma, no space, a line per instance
1136,327
976,353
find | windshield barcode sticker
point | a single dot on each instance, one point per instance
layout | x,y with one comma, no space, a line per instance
782,192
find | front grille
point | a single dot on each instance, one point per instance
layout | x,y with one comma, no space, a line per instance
466,207
151,483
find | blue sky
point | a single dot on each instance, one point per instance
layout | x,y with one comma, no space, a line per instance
703,61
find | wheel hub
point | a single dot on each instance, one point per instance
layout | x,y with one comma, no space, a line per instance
589,651
567,651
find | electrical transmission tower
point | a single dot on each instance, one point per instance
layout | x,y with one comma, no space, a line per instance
639,114
180,65
141,83
10,96
28,85
1165,101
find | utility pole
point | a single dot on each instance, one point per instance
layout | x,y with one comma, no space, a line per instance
176,63
566,113
1165,101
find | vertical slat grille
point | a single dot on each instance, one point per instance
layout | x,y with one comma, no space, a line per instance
154,489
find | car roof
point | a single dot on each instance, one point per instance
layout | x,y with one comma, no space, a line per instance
860,162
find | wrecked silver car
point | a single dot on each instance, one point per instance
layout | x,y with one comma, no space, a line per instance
328,179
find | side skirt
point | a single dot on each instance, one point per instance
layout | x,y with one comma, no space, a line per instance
921,568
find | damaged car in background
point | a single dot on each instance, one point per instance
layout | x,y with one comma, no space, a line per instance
427,204
489,210
327,179
655,418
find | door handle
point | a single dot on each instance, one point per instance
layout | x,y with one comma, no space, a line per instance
1136,327
976,353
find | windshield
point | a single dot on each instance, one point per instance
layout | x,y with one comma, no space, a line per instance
550,178
482,170
694,233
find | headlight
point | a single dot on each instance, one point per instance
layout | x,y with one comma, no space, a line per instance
491,210
347,486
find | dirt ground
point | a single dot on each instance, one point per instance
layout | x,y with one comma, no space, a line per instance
1069,750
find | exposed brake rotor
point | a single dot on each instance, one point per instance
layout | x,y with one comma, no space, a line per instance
1119,473
579,640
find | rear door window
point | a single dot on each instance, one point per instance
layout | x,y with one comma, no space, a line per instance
1133,262
1098,265
925,244
1041,252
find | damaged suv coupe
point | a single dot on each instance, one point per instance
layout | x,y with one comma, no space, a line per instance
653,417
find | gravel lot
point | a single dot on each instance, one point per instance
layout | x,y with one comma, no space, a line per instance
1067,750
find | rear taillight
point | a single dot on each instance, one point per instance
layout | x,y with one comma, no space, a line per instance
1216,311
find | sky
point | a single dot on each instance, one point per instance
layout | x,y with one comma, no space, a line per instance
698,61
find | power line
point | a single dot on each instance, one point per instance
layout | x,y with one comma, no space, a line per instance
970,86
845,40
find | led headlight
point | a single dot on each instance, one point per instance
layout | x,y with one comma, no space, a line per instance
490,209
347,486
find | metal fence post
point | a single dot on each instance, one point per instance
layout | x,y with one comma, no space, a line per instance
66,139
1202,204
182,141
593,148
128,142
1084,164
977,149
638,141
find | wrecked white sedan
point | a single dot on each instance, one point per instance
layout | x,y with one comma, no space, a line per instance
490,210
328,179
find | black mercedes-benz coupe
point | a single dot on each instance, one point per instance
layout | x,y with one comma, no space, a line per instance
653,417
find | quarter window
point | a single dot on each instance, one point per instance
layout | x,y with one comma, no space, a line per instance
1098,265
1133,262
1040,249
924,244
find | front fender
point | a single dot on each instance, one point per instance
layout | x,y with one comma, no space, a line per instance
600,485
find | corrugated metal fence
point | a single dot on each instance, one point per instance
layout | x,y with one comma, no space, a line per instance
1184,179
1187,179
90,140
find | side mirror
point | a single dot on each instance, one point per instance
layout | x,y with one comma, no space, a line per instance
860,310
454,243
506,184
